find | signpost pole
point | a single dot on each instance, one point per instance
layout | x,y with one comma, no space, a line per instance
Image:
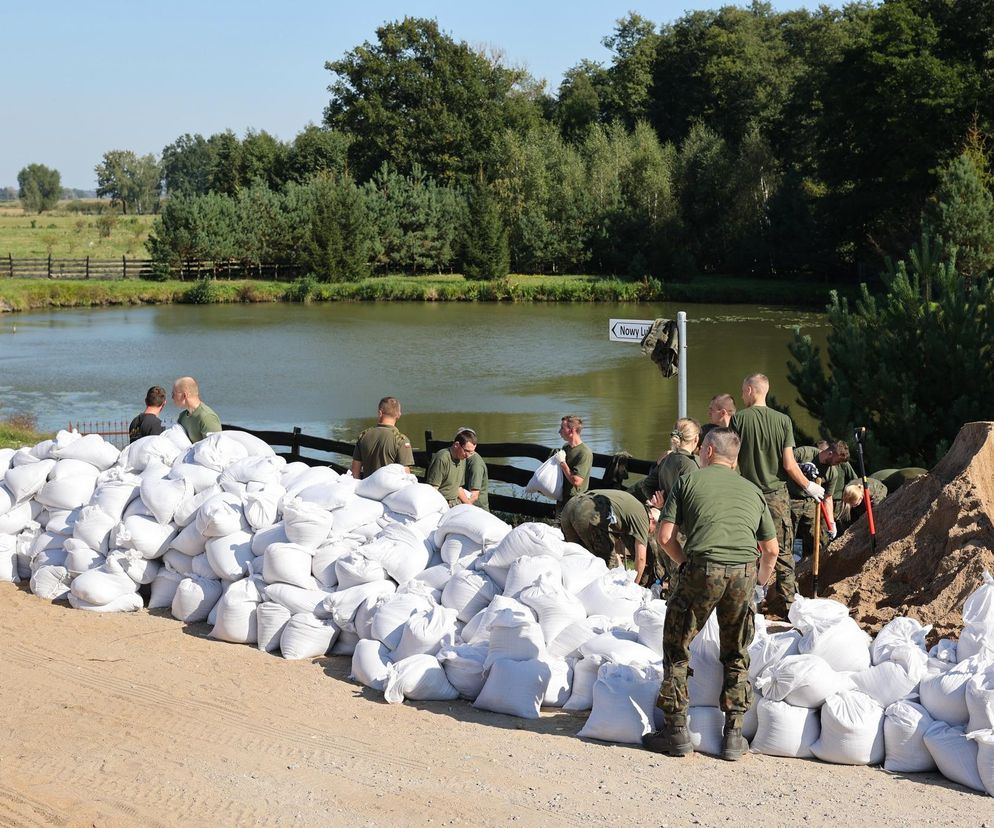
681,394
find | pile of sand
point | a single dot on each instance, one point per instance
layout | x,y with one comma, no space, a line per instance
935,537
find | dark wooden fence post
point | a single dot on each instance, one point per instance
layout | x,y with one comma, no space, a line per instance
10,265
87,267
295,445
49,265
124,267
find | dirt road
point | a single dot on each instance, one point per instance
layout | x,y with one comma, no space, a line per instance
140,720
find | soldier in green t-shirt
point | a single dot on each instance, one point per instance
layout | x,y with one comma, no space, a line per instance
477,482
448,467
382,444
828,462
724,517
575,459
197,418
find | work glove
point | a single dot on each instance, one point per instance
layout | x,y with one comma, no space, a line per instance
560,456
833,532
809,470
815,491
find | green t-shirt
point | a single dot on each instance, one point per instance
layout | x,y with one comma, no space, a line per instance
630,517
648,486
765,434
446,474
831,476
677,463
380,446
199,423
477,478
580,460
722,515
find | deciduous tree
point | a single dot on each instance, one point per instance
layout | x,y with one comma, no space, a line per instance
38,187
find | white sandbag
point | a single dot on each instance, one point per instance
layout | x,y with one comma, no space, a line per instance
230,556
139,569
369,664
477,629
615,595
558,690
889,681
62,521
385,481
188,509
199,478
263,537
514,637
801,680
419,677
8,559
459,550
706,726
547,480
221,515
51,582
306,524
178,562
984,740
162,496
356,514
345,644
306,636
707,675
769,648
955,756
297,476
287,563
92,449
137,456
5,456
164,588
329,494
73,468
619,647
24,543
528,571
236,612
258,469
527,540
808,614
944,694
843,645
417,500
426,632
201,567
516,688
254,446
115,489
18,518
7,499
473,522
467,592
400,552
463,665
53,553
271,619
573,636
650,619
194,599
67,492
262,507
980,701
905,725
103,584
342,605
144,535
27,480
392,613
584,677
785,730
217,451
974,639
978,609
623,704
325,558
189,541
93,527
297,599
131,602
898,632
852,730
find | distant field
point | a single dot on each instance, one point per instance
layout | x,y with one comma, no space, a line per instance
66,235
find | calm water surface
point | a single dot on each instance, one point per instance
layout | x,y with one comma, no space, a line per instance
509,371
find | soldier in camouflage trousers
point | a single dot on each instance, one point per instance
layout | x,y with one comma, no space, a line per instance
778,503
724,517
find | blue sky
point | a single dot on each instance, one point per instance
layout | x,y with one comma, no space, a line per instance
84,78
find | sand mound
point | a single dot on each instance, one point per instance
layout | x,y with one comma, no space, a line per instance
935,537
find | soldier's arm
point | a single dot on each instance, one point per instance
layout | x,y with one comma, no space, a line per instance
356,469
468,496
793,470
768,557
830,509
640,557
666,535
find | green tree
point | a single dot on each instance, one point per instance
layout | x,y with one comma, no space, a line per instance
132,181
225,168
704,170
38,187
186,165
316,150
911,365
337,246
485,253
265,234
579,104
961,213
418,96
263,158
197,228
629,79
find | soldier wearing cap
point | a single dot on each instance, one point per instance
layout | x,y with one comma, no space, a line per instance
382,444
724,517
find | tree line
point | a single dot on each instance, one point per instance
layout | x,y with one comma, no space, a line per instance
736,140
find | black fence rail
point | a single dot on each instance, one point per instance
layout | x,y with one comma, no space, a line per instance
125,268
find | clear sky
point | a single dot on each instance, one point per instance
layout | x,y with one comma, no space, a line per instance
82,78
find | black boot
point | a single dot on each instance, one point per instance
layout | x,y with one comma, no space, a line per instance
733,743
671,740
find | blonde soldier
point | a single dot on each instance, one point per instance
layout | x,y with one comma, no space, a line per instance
197,418
382,444
681,460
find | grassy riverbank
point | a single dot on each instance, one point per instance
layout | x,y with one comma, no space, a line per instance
29,294
18,431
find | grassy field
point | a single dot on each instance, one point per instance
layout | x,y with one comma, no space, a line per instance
67,235
18,431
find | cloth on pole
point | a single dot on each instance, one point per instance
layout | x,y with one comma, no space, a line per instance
661,344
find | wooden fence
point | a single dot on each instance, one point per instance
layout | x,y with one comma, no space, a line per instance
125,268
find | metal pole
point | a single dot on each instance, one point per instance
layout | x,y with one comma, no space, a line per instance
681,399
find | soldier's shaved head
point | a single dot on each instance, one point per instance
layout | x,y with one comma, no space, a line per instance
725,443
760,383
188,386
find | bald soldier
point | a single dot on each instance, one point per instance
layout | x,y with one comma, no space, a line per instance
382,444
766,459
197,418
724,518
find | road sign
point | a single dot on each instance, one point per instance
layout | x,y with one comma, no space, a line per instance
628,330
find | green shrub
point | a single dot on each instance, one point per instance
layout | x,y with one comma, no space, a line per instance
301,290
206,291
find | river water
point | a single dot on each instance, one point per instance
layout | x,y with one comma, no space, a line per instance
508,370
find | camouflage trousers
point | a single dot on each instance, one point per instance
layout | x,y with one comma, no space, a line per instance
585,520
802,513
786,585
728,590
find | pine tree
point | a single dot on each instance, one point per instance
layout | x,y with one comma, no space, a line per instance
486,254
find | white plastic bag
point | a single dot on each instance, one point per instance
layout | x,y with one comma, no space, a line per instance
195,598
419,677
905,725
271,619
463,665
468,592
954,754
624,701
842,644
516,688
369,664
555,607
306,636
385,481
288,563
306,524
547,480
785,730
103,584
802,680
852,730
706,726
417,500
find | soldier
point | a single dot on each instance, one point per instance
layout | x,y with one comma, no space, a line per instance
612,525
477,482
827,460
382,444
723,517
853,507
766,458
575,459
721,409
148,424
197,418
447,470
681,460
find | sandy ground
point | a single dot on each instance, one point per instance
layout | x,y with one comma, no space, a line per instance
140,720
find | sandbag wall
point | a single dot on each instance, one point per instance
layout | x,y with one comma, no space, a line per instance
435,603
